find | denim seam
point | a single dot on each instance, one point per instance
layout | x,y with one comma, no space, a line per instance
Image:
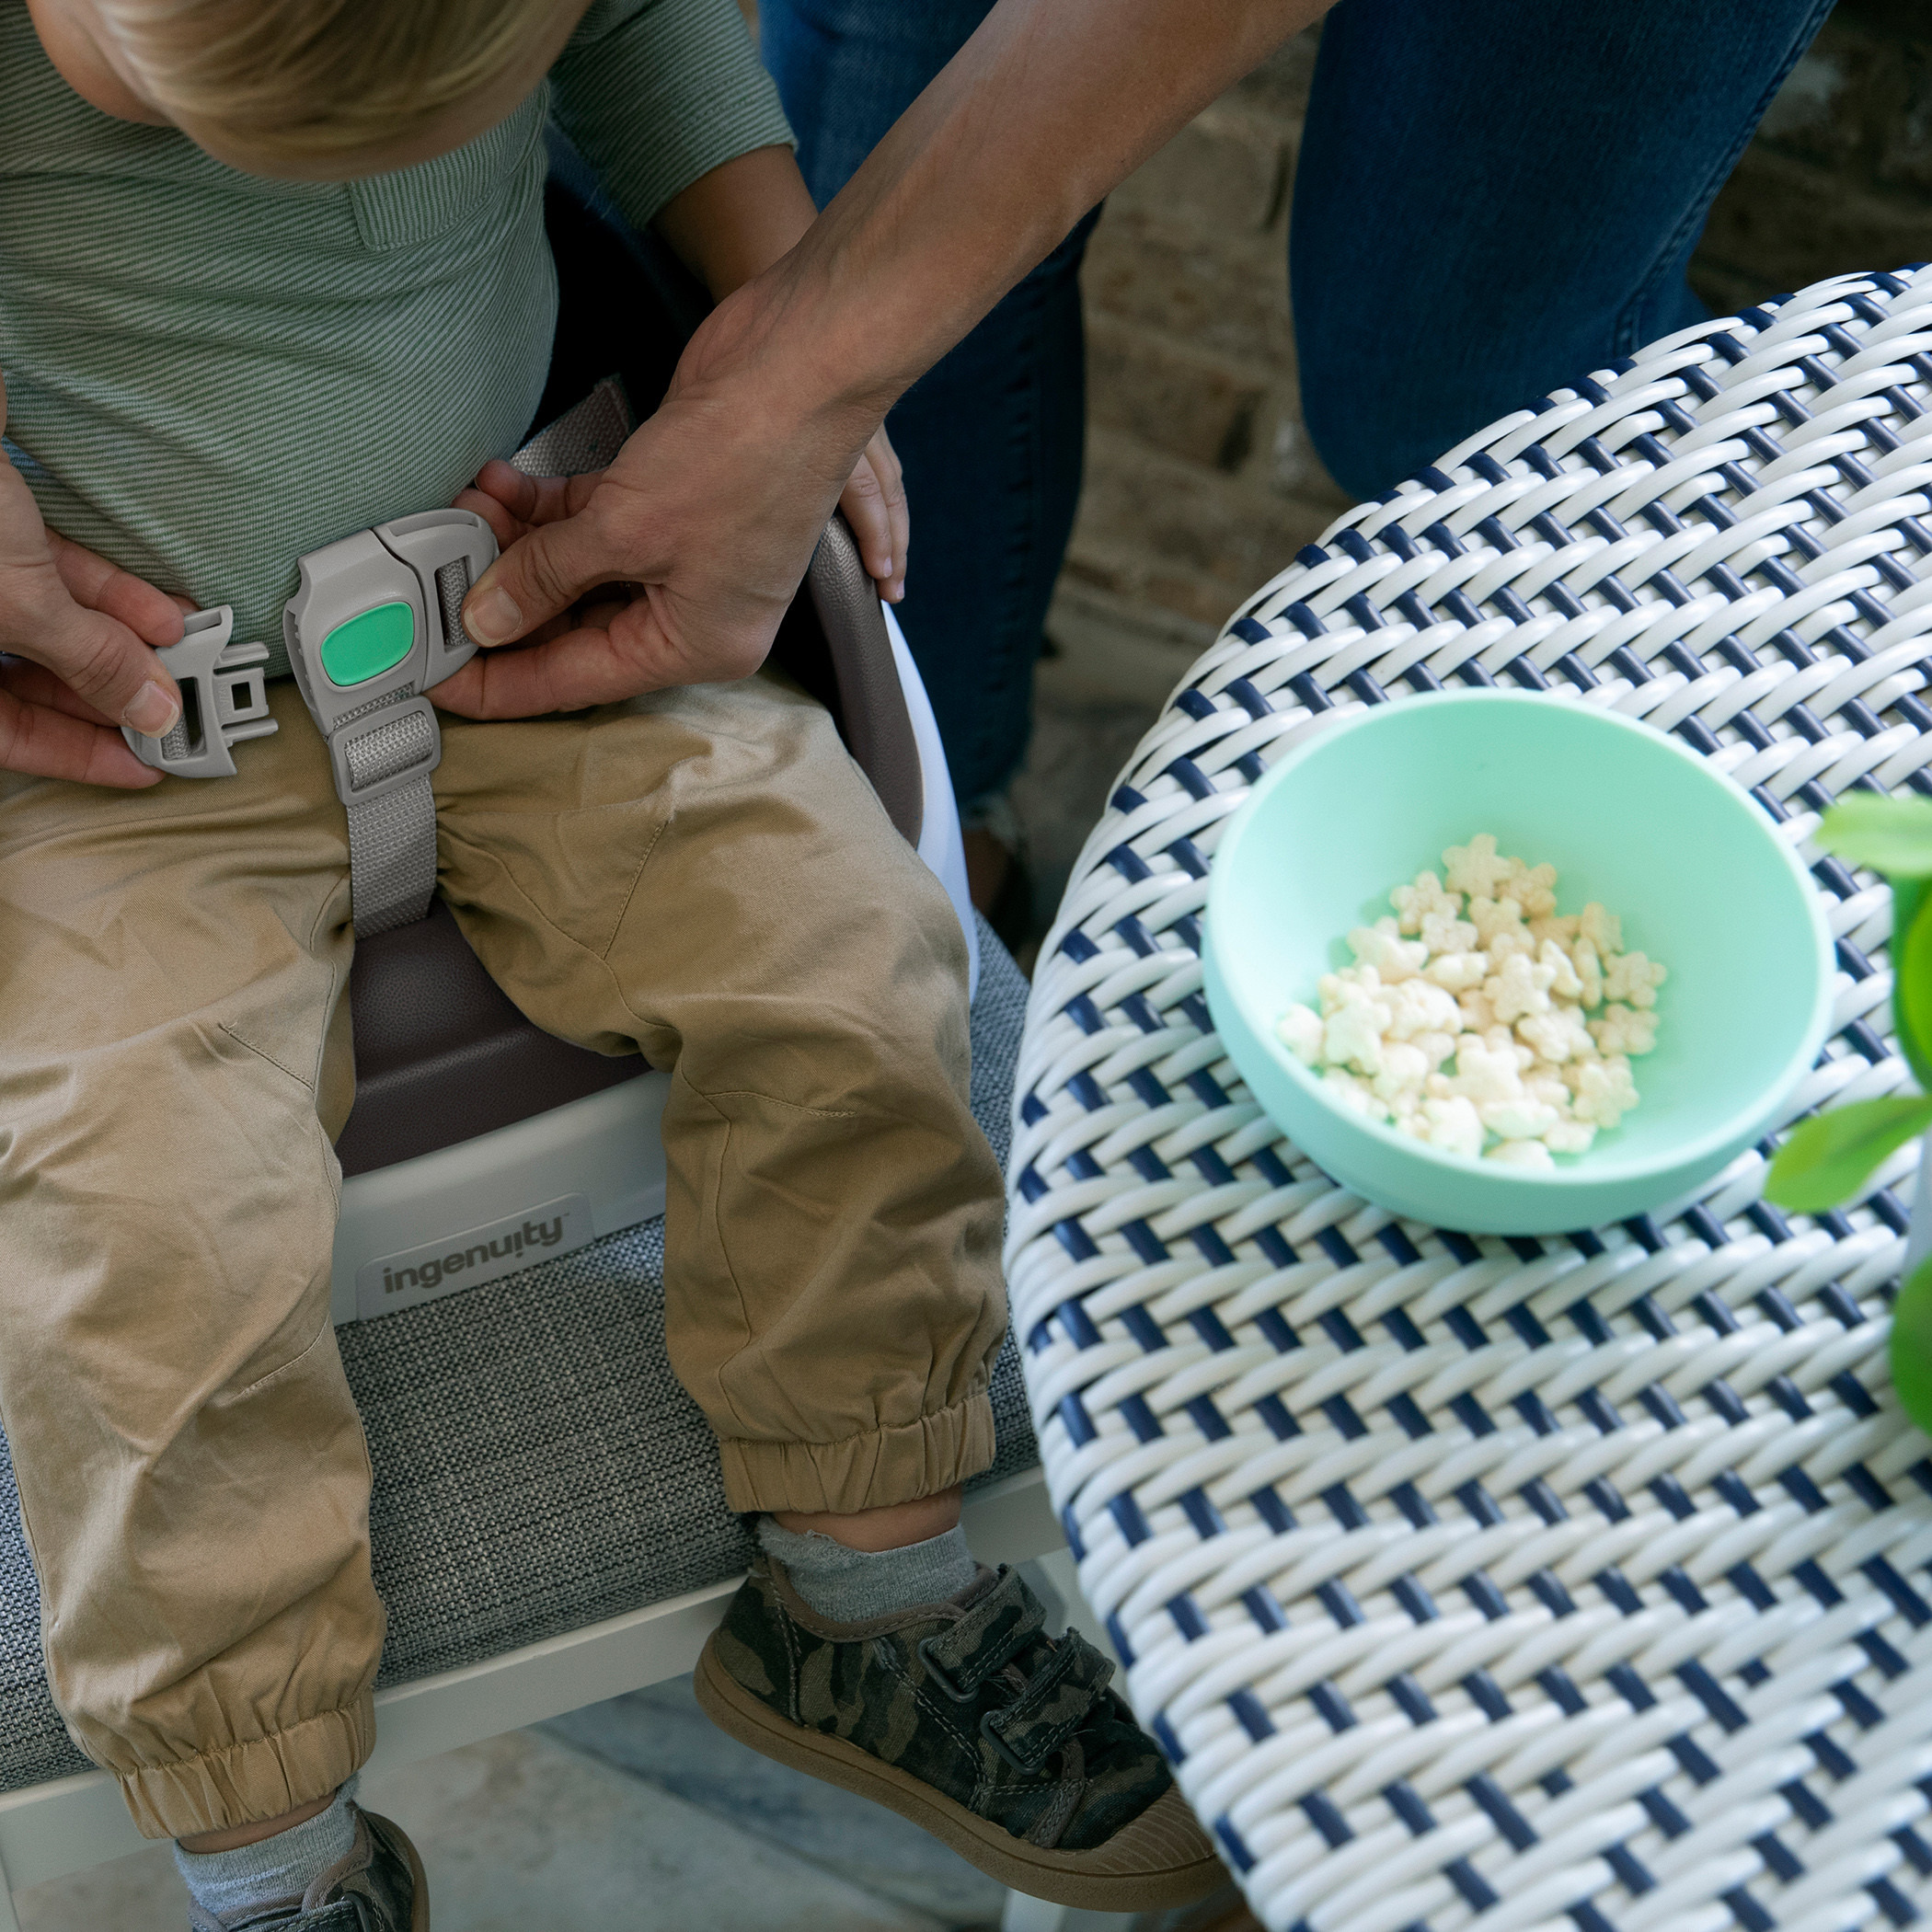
1625,338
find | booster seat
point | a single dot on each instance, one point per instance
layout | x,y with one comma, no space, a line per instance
476,1139
548,1522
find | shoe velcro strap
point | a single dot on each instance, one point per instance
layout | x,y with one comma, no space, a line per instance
1057,1700
987,1639
344,1915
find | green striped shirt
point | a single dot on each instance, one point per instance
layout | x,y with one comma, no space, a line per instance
209,374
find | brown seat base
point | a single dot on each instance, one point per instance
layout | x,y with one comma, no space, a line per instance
442,1054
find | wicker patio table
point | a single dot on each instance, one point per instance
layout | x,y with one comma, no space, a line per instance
1510,1582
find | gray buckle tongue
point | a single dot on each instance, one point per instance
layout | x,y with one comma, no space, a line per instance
224,700
377,621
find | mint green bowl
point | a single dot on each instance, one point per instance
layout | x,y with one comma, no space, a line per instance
1627,816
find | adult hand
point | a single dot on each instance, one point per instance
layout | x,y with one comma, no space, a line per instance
617,582
874,504
77,652
711,511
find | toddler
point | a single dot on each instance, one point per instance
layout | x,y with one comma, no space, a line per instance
272,271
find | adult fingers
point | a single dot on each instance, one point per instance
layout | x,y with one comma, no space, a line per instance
892,481
513,504
624,650
34,685
874,504
505,525
46,741
102,658
864,504
535,500
530,681
543,572
99,656
98,585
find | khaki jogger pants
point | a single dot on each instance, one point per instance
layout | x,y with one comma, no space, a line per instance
701,874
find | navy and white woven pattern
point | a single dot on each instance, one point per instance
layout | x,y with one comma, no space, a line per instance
1516,1584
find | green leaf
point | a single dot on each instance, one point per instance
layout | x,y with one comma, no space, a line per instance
1911,1346
1907,896
1828,1157
1890,835
1912,990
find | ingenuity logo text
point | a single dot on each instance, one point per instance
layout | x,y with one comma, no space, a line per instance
430,1273
455,1258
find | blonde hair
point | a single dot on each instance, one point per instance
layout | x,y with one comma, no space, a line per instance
312,78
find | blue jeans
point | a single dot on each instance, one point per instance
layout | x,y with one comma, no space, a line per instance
1491,197
1496,196
991,436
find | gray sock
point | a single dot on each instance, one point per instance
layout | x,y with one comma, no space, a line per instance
849,1586
230,1884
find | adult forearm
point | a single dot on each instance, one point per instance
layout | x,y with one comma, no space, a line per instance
709,514
1048,106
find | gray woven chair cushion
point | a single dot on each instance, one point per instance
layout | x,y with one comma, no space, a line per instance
537,1466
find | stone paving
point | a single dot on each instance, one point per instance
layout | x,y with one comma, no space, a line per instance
1082,736
636,1815
1200,479
526,1832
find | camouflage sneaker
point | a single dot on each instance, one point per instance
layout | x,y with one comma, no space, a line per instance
379,1887
968,1718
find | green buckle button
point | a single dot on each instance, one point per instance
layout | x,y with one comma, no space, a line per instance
369,645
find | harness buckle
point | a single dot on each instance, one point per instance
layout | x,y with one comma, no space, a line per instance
225,699
375,622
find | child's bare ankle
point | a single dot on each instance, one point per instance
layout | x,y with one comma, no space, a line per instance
889,1526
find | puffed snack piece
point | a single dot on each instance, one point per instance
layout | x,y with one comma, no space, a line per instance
1481,1020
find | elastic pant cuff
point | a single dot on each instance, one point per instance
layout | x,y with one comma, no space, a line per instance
262,1778
862,1472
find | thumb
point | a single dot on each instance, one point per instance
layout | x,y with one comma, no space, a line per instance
104,663
542,573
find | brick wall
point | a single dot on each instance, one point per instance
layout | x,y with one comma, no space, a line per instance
1200,483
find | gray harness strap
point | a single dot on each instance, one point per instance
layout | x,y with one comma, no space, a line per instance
585,437
386,746
392,837
375,623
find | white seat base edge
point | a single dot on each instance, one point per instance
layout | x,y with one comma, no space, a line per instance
579,1171
940,844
